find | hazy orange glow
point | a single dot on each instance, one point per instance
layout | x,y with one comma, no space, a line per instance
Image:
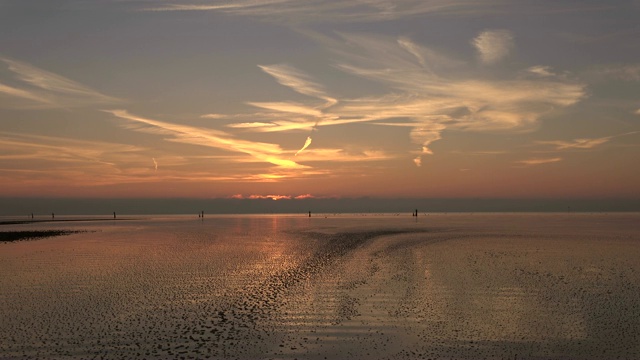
439,109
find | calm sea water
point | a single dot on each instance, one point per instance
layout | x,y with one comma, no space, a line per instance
348,286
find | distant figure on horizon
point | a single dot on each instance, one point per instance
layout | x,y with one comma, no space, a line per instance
32,215
309,213
202,214
53,216
114,214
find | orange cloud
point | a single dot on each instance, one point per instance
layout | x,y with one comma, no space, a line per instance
305,196
539,161
272,197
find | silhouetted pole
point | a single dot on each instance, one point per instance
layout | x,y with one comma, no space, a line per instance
53,216
203,214
309,213
114,214
416,212
32,215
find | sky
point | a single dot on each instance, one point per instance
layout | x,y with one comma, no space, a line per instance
301,99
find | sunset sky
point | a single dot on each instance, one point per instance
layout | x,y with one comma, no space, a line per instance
318,98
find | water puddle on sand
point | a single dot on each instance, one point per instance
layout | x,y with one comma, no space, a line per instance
450,286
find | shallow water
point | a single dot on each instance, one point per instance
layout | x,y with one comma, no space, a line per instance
454,286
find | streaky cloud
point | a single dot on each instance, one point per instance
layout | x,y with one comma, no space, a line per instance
288,107
42,89
422,96
584,143
240,5
297,81
54,160
544,71
340,155
260,151
621,72
55,149
539,161
435,102
251,125
577,143
25,95
297,12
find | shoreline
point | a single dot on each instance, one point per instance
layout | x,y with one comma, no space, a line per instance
30,221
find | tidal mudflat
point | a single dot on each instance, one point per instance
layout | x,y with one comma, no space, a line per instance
439,286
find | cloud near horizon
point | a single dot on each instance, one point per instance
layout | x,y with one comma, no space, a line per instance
274,197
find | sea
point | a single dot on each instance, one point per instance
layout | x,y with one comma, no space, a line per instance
329,286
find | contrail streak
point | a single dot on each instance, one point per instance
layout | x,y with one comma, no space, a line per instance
306,144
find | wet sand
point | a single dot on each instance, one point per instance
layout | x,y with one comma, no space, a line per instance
72,219
498,286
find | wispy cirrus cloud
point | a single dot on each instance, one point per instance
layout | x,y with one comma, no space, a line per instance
301,83
249,6
51,149
344,156
493,45
576,143
260,151
435,102
294,11
584,143
40,159
621,72
539,161
544,71
30,87
421,92
297,81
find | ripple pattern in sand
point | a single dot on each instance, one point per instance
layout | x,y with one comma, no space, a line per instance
273,288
